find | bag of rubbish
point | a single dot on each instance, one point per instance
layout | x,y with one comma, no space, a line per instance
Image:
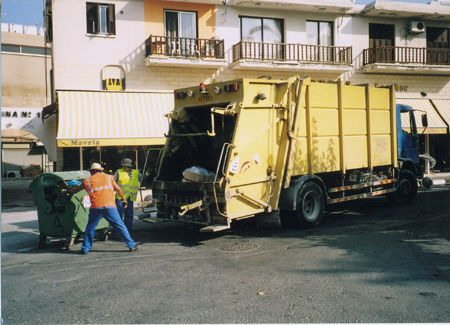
198,174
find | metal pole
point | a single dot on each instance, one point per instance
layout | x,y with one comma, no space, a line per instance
81,158
137,155
427,152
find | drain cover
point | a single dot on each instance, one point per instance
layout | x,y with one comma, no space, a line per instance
238,247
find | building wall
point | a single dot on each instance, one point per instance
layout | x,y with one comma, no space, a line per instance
26,89
81,61
79,58
25,77
154,17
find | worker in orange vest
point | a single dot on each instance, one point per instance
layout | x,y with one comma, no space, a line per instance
100,188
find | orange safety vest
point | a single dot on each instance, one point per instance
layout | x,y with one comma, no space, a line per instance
101,191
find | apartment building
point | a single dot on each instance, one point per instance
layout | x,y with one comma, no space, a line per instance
26,64
116,63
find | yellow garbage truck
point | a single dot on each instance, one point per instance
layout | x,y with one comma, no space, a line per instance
260,147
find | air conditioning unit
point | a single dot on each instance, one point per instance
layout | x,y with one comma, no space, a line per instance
416,27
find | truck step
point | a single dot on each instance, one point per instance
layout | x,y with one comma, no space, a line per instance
214,228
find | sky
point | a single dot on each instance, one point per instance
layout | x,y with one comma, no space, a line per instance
30,12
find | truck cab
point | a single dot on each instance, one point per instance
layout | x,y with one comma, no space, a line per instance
408,138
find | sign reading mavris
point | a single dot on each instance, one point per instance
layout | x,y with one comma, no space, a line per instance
82,143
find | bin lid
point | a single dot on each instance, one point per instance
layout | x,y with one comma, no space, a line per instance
52,179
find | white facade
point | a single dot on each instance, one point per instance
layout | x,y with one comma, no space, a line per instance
81,61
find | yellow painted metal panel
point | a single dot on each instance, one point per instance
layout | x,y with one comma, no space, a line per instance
379,98
323,95
381,150
354,122
252,89
301,157
255,151
353,97
324,122
112,118
355,151
380,122
325,154
435,123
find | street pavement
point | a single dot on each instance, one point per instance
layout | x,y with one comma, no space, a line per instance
368,262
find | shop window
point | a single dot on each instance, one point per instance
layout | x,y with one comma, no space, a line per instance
100,18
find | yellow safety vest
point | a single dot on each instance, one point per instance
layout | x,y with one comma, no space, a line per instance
128,186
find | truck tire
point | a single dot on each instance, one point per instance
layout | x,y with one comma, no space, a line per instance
406,189
310,205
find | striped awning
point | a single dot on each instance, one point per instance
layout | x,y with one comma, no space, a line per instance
443,107
88,119
435,123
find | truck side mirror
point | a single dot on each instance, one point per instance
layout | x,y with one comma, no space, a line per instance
424,120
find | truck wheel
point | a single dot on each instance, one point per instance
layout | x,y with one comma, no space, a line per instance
310,205
406,188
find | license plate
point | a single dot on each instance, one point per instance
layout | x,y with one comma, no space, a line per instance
205,98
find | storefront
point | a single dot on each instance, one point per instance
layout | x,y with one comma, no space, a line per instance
434,138
106,127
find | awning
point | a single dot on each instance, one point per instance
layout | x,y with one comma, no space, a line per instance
443,107
435,124
88,119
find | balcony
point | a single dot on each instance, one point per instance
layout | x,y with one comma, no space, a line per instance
288,57
184,52
406,60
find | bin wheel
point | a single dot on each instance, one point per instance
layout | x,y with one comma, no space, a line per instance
104,235
69,242
42,241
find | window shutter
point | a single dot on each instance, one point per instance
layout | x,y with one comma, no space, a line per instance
111,20
92,18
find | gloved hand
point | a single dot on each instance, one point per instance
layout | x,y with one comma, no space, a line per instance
124,204
64,192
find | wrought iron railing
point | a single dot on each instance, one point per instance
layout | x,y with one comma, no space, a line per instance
396,54
292,52
184,47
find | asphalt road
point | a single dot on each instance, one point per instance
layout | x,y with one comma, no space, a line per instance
368,262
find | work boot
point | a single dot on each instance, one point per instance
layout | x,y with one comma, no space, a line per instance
135,248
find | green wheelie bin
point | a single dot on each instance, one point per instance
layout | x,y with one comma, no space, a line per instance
60,215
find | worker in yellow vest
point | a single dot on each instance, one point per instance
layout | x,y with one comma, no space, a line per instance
128,180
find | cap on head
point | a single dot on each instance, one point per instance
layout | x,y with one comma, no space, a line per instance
127,162
96,166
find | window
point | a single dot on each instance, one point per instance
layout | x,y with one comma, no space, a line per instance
181,24
100,18
382,36
319,33
438,45
262,30
25,49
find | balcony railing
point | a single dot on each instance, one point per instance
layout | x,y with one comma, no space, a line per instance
394,54
184,47
292,52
